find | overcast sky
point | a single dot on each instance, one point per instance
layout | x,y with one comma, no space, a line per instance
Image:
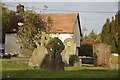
89,21
60,0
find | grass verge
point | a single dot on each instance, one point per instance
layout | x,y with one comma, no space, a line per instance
19,70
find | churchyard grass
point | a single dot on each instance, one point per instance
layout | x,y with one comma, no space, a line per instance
20,70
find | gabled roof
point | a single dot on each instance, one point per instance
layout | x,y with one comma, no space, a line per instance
63,22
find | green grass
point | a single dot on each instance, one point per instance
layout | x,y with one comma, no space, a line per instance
14,70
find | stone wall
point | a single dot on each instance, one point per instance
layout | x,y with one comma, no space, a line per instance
11,43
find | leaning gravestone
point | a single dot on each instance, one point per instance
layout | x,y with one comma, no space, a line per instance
53,60
70,49
38,56
40,52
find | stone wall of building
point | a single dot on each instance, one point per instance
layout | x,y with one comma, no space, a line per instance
11,43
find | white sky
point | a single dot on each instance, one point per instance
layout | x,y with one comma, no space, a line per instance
60,0
89,21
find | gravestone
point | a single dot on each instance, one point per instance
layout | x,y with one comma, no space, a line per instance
40,52
75,61
78,63
38,56
114,61
101,54
53,60
70,49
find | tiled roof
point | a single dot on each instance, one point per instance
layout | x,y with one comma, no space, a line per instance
63,22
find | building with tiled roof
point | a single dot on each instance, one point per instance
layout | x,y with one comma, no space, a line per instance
63,22
64,25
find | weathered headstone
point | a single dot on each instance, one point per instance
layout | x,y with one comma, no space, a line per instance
40,52
38,56
78,63
74,60
53,60
70,49
101,54
114,61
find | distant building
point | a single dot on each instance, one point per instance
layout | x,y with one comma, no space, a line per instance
11,40
64,25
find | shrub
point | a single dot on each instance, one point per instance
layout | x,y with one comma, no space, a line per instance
73,59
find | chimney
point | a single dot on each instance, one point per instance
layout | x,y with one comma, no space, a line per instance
20,8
